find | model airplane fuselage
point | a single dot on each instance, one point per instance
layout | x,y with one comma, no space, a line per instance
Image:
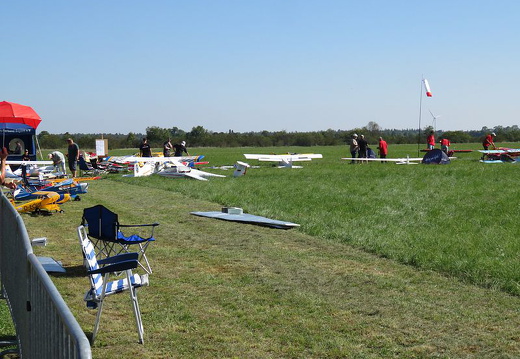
45,201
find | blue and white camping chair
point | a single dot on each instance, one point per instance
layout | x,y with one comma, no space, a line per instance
106,233
100,286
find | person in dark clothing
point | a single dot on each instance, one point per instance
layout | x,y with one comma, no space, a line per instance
363,145
18,148
72,155
179,149
144,149
25,158
167,148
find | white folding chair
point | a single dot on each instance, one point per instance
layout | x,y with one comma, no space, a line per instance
101,287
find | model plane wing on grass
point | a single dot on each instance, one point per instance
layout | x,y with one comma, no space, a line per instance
167,167
399,161
184,171
23,163
284,161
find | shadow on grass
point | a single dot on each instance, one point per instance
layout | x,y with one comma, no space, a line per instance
72,272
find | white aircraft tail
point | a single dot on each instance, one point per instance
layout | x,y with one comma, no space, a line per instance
240,169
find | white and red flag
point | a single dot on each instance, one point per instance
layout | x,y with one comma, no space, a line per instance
427,88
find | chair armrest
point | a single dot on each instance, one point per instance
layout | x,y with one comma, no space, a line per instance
117,267
119,258
139,225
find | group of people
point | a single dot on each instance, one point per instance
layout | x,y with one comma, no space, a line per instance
445,143
359,147
489,141
145,150
58,159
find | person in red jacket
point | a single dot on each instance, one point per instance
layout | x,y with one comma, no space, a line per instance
489,141
382,147
445,145
430,141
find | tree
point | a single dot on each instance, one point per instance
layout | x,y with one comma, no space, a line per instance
197,136
373,128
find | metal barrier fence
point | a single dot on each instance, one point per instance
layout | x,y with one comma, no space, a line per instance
44,324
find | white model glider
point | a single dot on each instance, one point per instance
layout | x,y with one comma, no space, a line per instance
174,170
23,163
33,168
400,161
167,167
284,161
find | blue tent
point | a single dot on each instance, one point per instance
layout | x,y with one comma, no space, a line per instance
17,132
436,157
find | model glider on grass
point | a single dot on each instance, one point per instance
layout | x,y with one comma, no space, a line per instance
286,160
399,161
500,155
167,167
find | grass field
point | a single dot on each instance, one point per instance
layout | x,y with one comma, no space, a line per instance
389,261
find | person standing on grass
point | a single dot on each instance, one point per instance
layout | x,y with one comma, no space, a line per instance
179,149
354,147
144,149
383,148
167,148
58,161
489,141
430,141
363,146
445,145
72,155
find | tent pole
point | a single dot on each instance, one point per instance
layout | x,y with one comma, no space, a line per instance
38,145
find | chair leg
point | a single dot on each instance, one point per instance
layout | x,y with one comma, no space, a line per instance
100,308
137,311
147,269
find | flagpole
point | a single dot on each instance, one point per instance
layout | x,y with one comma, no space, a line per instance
420,115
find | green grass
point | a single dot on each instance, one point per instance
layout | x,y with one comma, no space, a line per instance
336,286
457,219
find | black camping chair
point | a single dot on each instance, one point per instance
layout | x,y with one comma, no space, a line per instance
105,232
86,167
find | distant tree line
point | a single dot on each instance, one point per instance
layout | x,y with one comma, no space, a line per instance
201,137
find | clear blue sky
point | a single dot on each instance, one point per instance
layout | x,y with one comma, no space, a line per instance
250,65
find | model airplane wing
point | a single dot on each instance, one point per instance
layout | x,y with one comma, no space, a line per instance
205,174
23,163
284,158
137,159
397,160
195,176
284,161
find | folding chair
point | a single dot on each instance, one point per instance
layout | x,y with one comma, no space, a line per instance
86,167
105,232
101,287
